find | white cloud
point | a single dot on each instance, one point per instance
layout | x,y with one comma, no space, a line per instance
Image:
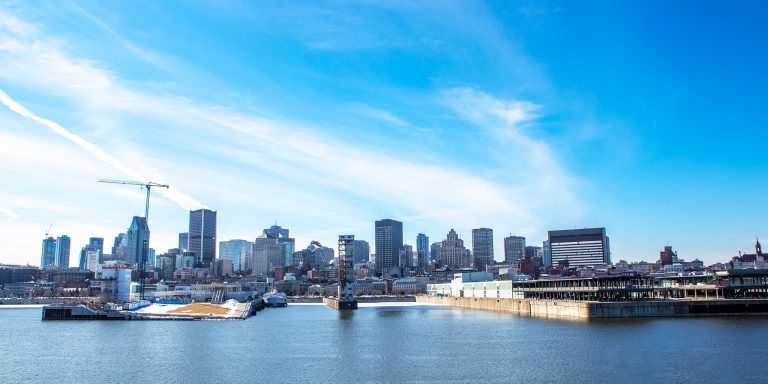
253,169
9,213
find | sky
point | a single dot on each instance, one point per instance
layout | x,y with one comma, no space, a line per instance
644,117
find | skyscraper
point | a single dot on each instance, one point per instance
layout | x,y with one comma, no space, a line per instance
286,244
405,256
63,244
482,247
48,256
137,239
233,250
389,239
434,251
97,243
452,251
265,255
422,251
87,259
514,248
580,247
184,241
362,251
202,236
547,251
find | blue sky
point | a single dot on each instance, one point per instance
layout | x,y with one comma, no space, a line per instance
643,117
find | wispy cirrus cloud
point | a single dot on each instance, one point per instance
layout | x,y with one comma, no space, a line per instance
254,169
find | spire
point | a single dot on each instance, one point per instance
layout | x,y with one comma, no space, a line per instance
758,248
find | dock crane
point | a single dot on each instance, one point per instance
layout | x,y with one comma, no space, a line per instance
148,186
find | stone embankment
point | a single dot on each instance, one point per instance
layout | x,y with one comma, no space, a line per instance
596,310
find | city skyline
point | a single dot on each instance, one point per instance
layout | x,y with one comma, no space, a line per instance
462,115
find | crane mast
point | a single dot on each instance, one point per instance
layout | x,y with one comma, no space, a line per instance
148,186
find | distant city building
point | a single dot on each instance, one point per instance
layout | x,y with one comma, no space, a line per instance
315,256
514,248
137,239
482,247
452,251
422,251
361,251
389,239
546,250
63,245
405,256
667,256
265,255
202,236
120,247
48,256
286,244
95,247
580,247
434,251
184,241
532,252
232,250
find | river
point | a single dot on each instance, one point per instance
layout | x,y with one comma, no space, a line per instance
408,343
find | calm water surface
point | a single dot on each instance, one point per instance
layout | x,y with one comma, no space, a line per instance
411,344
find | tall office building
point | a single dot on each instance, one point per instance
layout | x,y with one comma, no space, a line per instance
389,239
233,250
48,257
452,251
97,243
422,251
120,247
547,251
580,247
202,236
95,247
405,256
265,255
532,252
184,241
63,244
362,251
482,247
137,239
286,244
434,251
514,248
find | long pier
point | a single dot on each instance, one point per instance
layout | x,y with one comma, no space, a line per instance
605,309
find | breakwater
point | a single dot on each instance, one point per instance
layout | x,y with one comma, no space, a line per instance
597,310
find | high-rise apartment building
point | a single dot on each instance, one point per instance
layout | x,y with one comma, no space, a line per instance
63,245
482,247
389,239
453,254
514,248
580,247
48,256
405,256
202,236
422,251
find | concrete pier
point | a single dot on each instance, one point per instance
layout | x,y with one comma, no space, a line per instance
340,305
597,310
